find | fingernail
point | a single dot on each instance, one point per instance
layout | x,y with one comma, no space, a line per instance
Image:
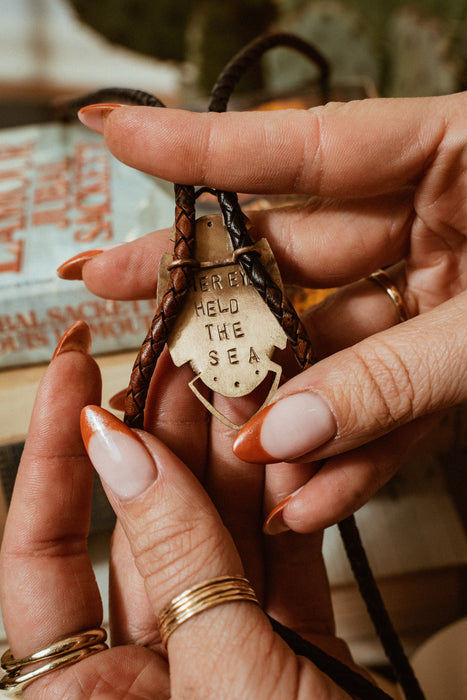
77,337
118,455
117,401
72,269
289,428
274,523
93,116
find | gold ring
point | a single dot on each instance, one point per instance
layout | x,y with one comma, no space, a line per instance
59,654
386,283
205,595
62,646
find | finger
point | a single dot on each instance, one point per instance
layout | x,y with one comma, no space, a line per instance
327,243
287,558
364,392
178,540
354,312
355,149
44,545
126,271
173,411
234,487
345,482
324,243
132,619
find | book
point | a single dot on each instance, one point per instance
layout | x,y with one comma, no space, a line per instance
62,193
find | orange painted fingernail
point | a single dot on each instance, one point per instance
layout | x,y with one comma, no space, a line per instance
247,445
291,427
77,337
117,453
72,269
93,116
274,523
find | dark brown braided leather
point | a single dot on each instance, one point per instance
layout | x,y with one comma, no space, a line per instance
168,310
246,57
270,292
67,109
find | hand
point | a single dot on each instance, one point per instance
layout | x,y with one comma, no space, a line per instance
386,180
169,537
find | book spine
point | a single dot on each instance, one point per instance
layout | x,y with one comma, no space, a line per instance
32,325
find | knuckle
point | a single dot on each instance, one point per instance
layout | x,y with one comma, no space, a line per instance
165,552
385,383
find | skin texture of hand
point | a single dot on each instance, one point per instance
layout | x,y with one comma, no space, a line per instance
169,537
386,181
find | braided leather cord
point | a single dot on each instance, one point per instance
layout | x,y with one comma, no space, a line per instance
270,292
67,109
168,310
234,70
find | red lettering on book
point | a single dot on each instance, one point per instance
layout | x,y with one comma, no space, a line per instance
35,340
56,217
8,344
21,150
51,192
19,322
93,197
11,250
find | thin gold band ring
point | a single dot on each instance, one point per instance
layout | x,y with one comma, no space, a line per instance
386,283
203,596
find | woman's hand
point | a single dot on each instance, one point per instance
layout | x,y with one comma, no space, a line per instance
387,185
170,535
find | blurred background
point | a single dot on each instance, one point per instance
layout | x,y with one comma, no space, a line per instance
176,50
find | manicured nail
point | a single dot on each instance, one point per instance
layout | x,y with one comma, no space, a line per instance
117,401
118,455
289,428
94,116
77,337
72,269
274,523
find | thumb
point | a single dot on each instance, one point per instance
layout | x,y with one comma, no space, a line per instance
178,540
362,393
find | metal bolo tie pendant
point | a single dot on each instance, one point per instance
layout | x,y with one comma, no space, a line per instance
224,329
223,310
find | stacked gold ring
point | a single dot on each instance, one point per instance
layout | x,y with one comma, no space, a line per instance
205,595
58,655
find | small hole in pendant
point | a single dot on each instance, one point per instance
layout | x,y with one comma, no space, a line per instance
237,384
209,223
257,371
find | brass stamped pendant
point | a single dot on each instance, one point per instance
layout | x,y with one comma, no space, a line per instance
224,330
